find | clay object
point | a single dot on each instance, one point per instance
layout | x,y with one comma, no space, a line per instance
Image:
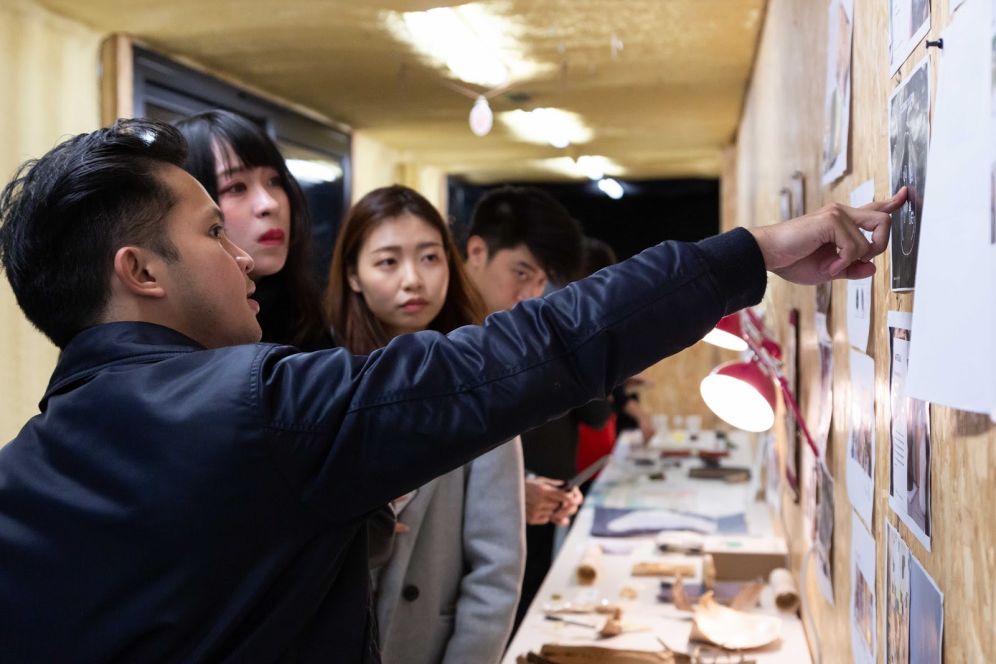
587,570
731,629
783,586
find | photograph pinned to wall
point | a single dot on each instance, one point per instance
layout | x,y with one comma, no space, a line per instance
992,126
808,480
910,21
926,616
837,106
864,627
824,530
909,476
793,436
820,404
909,135
897,599
772,474
861,436
859,291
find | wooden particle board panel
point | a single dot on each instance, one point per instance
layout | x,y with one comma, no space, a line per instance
780,132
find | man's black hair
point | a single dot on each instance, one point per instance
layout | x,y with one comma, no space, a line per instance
64,216
508,217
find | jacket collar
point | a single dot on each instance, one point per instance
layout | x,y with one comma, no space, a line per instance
110,343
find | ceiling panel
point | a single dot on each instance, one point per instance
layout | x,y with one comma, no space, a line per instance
660,103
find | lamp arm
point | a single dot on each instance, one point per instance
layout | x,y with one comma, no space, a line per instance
773,369
790,400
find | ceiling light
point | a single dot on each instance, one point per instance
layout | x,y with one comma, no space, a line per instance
314,170
592,166
481,118
611,188
476,43
552,126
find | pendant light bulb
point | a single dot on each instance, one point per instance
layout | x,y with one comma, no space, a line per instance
481,118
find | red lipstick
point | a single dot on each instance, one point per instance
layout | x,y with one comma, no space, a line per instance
272,236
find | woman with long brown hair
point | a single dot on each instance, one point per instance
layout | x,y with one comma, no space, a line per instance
449,591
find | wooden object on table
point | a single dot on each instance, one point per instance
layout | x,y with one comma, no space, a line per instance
587,570
560,654
747,597
783,586
708,571
745,558
651,568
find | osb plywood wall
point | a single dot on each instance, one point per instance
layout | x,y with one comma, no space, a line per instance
780,133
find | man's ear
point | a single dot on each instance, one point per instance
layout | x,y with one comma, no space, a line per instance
137,270
477,251
354,282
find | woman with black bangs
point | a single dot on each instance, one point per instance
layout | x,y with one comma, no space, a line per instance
266,215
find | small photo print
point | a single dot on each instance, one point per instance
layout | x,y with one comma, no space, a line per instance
864,610
909,134
926,617
897,604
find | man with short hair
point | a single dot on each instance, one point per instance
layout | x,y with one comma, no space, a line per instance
181,498
519,240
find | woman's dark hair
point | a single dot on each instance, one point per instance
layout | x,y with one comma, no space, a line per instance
64,216
356,326
290,308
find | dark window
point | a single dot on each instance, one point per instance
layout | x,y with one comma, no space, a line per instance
318,155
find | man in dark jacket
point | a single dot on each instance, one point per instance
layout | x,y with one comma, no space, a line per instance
187,494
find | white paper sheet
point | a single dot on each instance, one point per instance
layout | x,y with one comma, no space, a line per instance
861,436
864,627
909,484
952,353
859,291
837,104
910,22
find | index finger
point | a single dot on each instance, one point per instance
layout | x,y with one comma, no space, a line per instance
875,217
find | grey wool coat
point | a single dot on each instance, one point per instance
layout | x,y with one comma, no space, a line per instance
449,592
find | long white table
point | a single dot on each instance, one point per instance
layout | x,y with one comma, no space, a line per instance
623,483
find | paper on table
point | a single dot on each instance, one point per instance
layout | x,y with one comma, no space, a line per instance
660,520
859,291
953,354
861,436
863,624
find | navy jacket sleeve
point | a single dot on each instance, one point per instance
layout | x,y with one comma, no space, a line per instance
351,433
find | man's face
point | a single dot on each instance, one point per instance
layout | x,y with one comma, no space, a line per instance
505,278
208,288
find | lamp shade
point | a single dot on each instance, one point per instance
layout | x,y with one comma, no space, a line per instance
741,394
728,333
